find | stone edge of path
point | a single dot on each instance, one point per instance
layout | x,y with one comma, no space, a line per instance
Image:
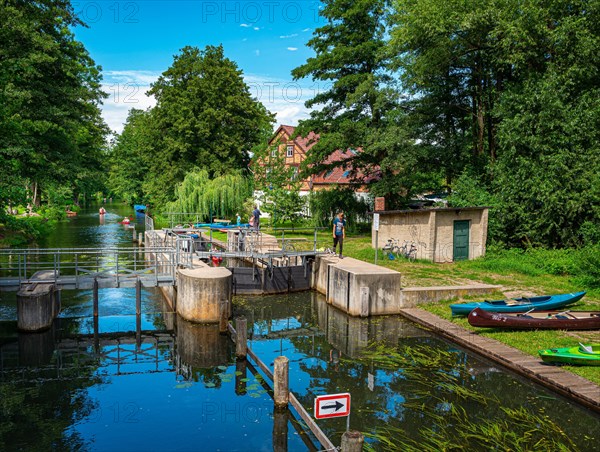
565,383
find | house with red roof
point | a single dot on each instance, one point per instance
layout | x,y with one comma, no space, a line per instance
296,150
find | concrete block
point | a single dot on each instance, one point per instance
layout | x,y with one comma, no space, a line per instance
36,307
356,287
200,292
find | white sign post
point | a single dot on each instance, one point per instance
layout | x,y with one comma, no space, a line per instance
376,229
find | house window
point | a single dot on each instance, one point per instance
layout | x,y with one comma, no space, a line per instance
295,173
290,150
274,152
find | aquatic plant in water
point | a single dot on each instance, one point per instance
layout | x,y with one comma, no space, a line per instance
439,388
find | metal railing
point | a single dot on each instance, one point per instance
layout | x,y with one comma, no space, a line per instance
148,222
184,218
77,267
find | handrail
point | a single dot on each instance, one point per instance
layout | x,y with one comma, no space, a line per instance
77,265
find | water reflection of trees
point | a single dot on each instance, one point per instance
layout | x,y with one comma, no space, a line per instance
38,405
424,387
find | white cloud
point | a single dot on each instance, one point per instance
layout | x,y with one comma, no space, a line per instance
245,25
306,29
257,52
256,28
292,49
285,98
293,35
126,90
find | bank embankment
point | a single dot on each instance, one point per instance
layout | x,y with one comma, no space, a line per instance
565,383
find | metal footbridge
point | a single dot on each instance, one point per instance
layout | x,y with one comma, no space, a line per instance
81,268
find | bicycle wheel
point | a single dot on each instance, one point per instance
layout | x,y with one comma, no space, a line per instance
412,255
398,252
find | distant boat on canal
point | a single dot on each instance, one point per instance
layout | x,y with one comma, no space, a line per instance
522,304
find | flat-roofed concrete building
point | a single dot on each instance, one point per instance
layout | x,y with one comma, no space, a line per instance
440,235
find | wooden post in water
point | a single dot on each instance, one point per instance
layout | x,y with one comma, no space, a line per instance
223,316
241,366
95,297
96,337
352,441
280,430
281,392
138,297
241,345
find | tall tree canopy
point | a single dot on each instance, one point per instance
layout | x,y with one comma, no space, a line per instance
499,99
51,131
221,197
205,118
357,106
129,157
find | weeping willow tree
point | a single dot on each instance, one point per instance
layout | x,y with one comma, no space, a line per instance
221,197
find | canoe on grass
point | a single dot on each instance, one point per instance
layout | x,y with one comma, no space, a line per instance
539,320
520,304
586,355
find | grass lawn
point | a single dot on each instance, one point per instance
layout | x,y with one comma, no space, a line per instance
519,274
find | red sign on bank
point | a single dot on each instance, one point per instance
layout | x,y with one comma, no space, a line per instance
332,405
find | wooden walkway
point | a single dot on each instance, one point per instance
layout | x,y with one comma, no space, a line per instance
565,383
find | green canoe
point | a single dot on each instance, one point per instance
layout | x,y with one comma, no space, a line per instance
586,355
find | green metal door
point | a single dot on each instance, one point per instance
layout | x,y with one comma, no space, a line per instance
461,240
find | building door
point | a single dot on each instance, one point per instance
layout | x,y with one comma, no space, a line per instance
461,240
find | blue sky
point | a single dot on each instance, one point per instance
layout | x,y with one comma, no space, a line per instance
134,42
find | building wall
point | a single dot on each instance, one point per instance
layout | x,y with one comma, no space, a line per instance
410,226
432,231
445,233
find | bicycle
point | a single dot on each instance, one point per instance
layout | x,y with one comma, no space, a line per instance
391,249
408,253
287,246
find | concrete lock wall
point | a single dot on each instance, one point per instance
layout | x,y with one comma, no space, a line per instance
200,292
356,287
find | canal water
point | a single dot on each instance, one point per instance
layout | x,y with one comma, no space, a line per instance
177,386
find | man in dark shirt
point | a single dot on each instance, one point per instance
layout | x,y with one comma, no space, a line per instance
256,215
339,232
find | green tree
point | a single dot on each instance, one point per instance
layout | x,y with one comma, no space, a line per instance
506,94
51,131
548,174
206,117
129,157
358,105
326,204
221,197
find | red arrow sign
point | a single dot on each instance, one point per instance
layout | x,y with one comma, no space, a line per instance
332,405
